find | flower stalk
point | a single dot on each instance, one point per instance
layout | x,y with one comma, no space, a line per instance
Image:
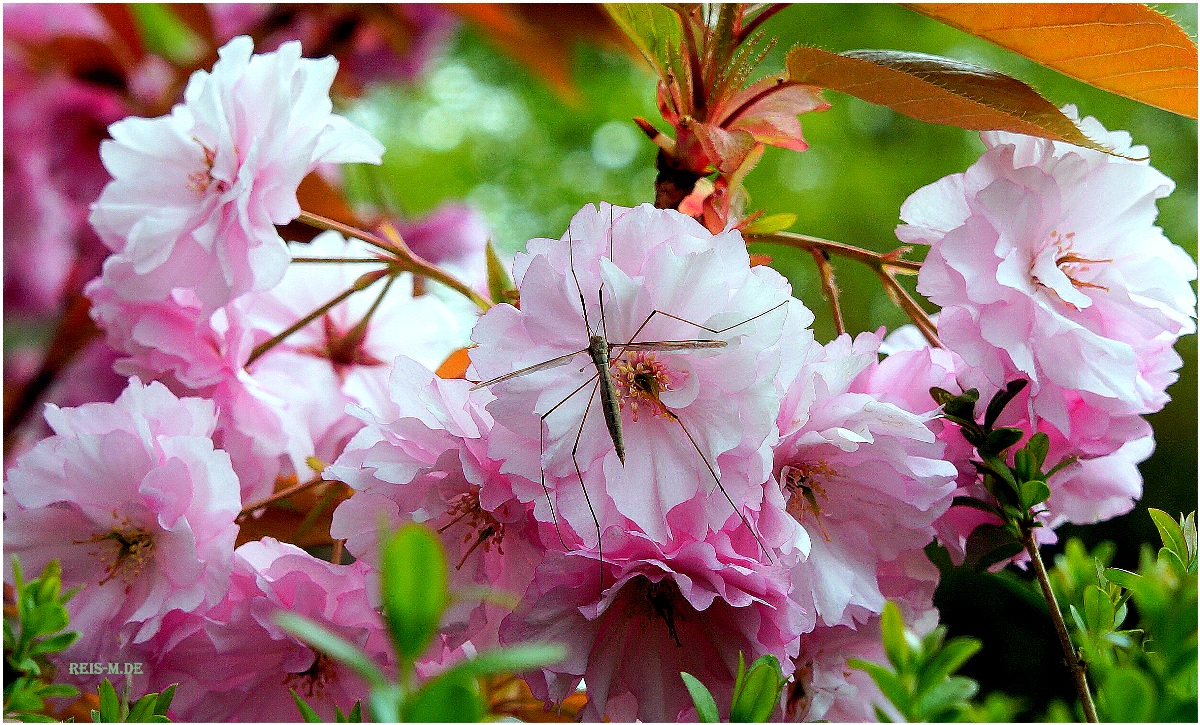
1077,668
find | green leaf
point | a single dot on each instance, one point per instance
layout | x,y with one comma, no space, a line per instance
1171,533
706,706
306,712
1034,492
946,696
355,713
895,644
110,704
740,681
1098,610
164,700
141,710
413,574
1127,695
57,643
654,29
165,34
60,690
449,697
886,680
1038,447
975,503
500,282
518,658
1001,400
332,645
1001,439
770,224
949,658
385,702
759,695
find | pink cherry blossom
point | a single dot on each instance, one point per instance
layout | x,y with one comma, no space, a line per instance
1093,488
53,125
289,404
422,457
137,505
657,614
1047,264
196,195
682,411
826,688
864,477
235,664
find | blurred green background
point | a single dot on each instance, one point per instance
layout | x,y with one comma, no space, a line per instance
483,129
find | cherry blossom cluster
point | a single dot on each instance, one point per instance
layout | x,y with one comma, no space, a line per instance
652,454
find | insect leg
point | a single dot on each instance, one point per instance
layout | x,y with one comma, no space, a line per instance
717,480
697,324
586,497
542,449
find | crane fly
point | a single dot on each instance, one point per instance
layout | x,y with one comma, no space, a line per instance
604,354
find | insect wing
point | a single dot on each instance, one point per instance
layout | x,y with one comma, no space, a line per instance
545,365
672,345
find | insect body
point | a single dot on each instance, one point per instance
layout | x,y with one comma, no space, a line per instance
649,382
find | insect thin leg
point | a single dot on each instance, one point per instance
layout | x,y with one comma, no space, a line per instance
542,449
717,480
702,327
578,287
586,497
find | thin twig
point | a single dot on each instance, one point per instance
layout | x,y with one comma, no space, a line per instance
1077,668
886,265
829,285
914,310
399,254
360,284
339,260
280,495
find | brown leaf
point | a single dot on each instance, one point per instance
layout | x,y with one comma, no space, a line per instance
937,90
1128,49
318,196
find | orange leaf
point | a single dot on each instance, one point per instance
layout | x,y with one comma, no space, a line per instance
937,90
455,366
1128,49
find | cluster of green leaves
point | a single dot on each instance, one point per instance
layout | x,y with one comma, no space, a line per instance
38,629
756,692
1143,666
151,707
920,684
415,594
1019,489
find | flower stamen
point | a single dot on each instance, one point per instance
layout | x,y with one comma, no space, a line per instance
802,483
640,378
134,552
483,526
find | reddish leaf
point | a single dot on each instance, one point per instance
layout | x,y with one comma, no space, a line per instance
769,109
318,196
937,90
542,35
1128,49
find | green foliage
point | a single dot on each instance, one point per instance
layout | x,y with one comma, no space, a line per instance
151,707
920,684
37,630
1145,672
415,596
756,692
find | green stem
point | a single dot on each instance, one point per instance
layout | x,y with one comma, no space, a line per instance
1077,668
400,254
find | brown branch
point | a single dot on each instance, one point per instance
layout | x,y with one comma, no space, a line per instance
1077,668
279,496
399,254
830,288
